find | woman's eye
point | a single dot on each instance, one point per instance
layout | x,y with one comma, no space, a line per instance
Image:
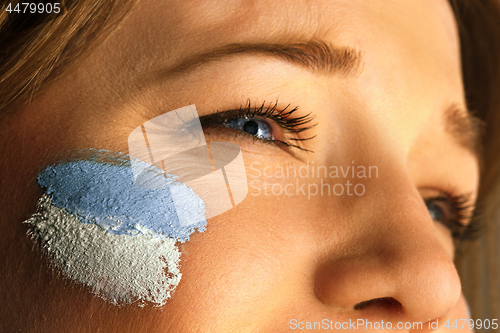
253,126
454,212
264,123
436,211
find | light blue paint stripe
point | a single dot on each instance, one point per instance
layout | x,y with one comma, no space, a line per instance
106,194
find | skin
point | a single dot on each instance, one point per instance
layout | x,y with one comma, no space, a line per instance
273,258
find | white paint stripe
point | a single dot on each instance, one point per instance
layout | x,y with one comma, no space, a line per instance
119,268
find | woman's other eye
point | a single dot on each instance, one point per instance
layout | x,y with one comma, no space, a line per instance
455,213
436,211
253,126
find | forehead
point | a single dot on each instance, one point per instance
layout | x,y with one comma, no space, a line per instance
408,45
176,28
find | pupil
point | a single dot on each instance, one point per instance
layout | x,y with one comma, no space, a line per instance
251,127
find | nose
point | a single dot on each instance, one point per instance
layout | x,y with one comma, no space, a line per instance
392,263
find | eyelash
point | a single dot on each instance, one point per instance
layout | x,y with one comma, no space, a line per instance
283,118
461,222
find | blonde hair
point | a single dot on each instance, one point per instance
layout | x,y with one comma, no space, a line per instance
34,53
37,49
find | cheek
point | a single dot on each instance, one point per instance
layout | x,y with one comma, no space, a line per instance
445,238
227,270
257,249
105,231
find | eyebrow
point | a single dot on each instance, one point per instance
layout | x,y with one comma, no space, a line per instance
464,128
315,55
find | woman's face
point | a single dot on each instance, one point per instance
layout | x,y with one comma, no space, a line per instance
379,87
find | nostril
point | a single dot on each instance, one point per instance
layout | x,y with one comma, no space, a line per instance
387,303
